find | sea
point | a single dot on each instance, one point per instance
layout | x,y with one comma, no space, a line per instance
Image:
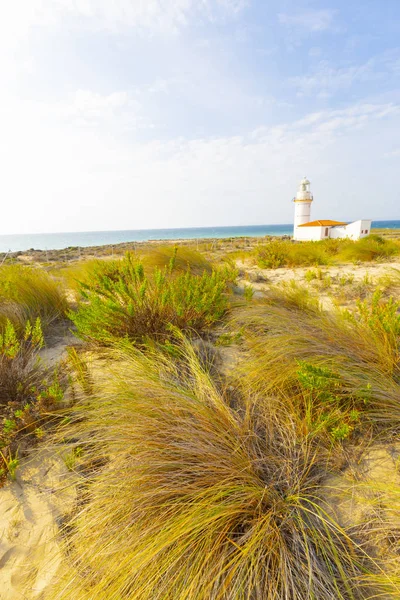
59,241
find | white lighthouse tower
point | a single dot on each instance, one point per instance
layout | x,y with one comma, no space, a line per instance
307,230
302,203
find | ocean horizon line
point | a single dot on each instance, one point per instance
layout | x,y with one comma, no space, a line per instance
90,231
60,240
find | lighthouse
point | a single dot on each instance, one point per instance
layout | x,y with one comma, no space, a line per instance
303,200
307,230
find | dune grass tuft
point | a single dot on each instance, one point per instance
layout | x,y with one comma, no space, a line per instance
373,247
197,499
185,259
29,293
335,368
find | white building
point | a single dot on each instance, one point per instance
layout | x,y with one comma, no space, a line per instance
305,229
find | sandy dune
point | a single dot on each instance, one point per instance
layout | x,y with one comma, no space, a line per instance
30,509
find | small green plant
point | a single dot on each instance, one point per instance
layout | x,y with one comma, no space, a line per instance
11,464
71,458
9,426
318,275
310,275
227,339
248,292
346,279
341,432
320,381
367,280
39,433
50,395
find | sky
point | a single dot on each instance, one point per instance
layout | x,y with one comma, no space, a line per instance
137,114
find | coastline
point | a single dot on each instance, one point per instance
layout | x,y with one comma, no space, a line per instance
75,253
50,242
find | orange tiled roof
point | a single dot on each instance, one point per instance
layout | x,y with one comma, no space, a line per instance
323,223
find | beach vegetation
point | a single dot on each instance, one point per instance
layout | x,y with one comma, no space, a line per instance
27,293
206,421
122,301
326,365
10,465
371,248
20,368
200,499
286,253
28,389
185,259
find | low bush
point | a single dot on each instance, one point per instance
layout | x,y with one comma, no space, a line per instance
31,293
19,365
121,301
27,391
289,254
198,500
373,247
272,255
285,253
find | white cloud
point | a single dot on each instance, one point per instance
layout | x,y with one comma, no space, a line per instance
59,176
326,79
309,21
393,153
94,104
120,109
155,16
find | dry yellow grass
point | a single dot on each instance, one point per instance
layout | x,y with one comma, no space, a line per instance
199,500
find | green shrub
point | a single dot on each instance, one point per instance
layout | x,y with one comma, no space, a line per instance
28,391
121,301
20,369
198,500
382,316
272,255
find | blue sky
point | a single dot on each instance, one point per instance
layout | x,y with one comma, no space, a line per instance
172,113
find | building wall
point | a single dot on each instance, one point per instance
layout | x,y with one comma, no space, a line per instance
353,231
310,233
